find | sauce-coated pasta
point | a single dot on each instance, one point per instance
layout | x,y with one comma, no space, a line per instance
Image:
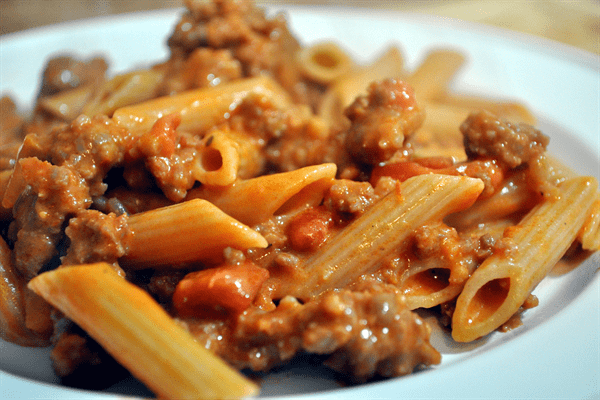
262,200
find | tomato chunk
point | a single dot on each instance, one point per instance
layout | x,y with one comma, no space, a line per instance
310,229
226,289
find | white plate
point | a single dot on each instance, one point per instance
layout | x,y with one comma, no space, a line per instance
556,354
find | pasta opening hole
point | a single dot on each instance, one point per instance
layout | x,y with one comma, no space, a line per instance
427,282
488,299
211,159
325,59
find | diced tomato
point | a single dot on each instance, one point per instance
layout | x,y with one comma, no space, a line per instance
228,289
310,229
400,171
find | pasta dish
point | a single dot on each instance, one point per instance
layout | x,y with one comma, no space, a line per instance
250,201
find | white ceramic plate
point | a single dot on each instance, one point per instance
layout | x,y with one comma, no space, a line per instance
556,354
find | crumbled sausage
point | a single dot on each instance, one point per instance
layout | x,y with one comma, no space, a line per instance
52,193
261,45
381,121
490,136
95,237
203,68
351,197
367,333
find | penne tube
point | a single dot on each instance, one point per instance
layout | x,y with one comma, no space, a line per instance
504,280
310,195
381,230
430,80
124,90
68,104
515,195
589,237
255,200
444,119
440,134
557,171
14,184
324,62
218,160
200,109
250,151
139,334
429,283
511,111
191,231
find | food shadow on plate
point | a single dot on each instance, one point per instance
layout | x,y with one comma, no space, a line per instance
304,374
441,338
307,374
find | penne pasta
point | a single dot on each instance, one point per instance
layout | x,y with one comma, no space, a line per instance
194,230
512,197
124,90
200,109
240,200
218,161
289,202
589,237
139,334
381,230
439,134
427,285
512,111
249,150
433,277
67,105
430,80
324,62
504,281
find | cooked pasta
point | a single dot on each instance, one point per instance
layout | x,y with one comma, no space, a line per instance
68,105
140,334
434,74
358,249
190,231
123,90
270,191
249,200
200,109
219,160
589,235
324,62
504,280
